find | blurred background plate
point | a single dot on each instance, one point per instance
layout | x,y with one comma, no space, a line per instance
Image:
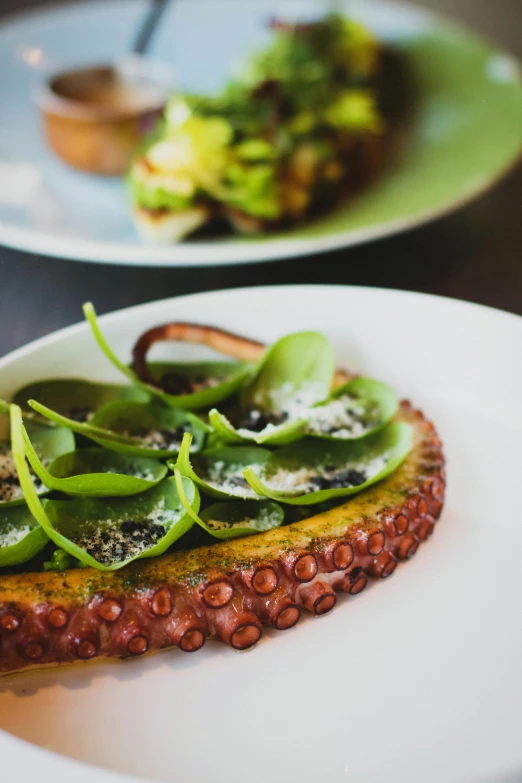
465,132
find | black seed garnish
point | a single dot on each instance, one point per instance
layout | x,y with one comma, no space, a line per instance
239,481
10,488
320,482
340,480
168,440
256,421
172,383
356,477
122,541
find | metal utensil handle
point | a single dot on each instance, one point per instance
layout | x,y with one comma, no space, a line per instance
149,25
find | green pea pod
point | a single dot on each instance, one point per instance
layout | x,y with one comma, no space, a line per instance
354,410
21,537
235,518
97,472
295,373
219,471
314,471
107,534
131,428
232,375
48,443
76,398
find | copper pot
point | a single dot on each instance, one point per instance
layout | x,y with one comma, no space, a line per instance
95,117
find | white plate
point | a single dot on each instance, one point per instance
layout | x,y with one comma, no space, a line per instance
417,680
465,132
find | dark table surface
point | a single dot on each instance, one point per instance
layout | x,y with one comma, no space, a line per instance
474,254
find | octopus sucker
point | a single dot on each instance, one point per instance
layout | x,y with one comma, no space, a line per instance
86,649
354,582
110,609
396,525
408,546
161,602
370,544
342,555
217,594
383,566
261,580
286,617
318,598
230,589
271,610
186,632
302,567
9,622
425,529
244,632
192,640
58,618
138,645
33,650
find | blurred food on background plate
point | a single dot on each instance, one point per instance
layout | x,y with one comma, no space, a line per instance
302,127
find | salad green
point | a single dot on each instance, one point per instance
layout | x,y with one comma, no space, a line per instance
285,439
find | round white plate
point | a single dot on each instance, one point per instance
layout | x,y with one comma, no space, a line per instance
466,129
417,679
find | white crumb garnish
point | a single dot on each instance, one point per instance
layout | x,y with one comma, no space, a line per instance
291,480
229,479
295,403
344,417
304,480
118,540
13,536
263,521
10,488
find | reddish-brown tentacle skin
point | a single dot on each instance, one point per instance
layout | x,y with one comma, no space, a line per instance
220,340
227,343
230,589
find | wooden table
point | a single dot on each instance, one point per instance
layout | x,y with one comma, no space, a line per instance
475,254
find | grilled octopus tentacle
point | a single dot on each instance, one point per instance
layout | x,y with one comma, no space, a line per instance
220,340
224,342
230,589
